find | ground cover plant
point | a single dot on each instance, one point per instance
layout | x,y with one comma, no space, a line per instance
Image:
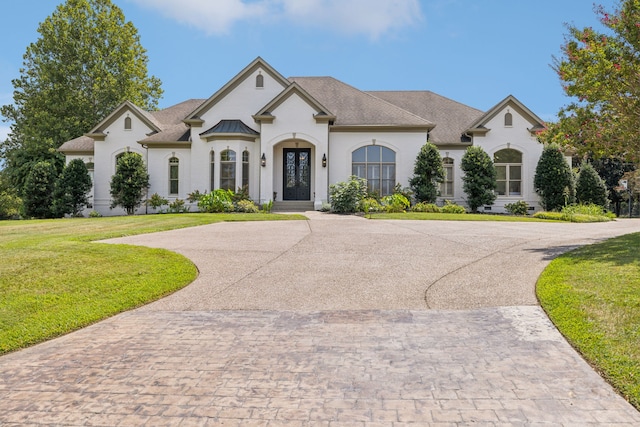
441,216
592,295
55,279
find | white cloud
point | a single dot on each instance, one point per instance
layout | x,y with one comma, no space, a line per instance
373,18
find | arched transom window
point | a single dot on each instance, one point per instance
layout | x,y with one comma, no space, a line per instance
508,163
377,165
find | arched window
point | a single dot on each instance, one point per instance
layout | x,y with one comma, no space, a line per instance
377,165
446,186
508,163
259,80
212,170
127,123
173,175
228,170
508,119
245,170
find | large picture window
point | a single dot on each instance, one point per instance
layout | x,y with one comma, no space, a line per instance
377,165
228,170
508,163
174,174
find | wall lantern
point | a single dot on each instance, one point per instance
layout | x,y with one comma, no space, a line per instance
263,160
324,160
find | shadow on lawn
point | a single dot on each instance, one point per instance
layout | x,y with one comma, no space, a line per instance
621,250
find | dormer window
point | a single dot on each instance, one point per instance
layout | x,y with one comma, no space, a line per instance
259,81
127,123
508,119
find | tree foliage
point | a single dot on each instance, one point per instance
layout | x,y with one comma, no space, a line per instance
130,182
553,180
611,170
72,189
479,180
87,60
428,173
38,190
598,70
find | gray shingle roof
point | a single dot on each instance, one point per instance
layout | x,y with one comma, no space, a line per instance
83,144
352,107
451,118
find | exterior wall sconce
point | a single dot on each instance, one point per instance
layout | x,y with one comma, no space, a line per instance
324,160
263,160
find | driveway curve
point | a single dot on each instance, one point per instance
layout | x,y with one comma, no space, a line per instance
330,322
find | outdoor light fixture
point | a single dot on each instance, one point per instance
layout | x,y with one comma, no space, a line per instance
324,160
263,160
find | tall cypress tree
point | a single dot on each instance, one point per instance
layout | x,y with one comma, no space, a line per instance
479,180
428,173
553,180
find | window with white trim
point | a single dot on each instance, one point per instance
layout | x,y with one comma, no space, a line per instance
228,170
446,186
376,164
212,169
174,174
508,164
245,170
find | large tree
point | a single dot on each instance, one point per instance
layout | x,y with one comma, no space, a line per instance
599,70
428,173
71,191
87,60
38,190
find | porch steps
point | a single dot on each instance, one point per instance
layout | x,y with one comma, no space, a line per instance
292,206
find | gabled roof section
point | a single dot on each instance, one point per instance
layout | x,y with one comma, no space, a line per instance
147,118
194,116
266,113
80,145
230,129
451,118
354,108
479,125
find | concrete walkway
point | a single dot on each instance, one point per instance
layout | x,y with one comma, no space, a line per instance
333,321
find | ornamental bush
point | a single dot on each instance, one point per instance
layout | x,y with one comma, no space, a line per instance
590,188
428,173
426,207
346,196
554,180
479,180
517,208
395,203
450,207
217,201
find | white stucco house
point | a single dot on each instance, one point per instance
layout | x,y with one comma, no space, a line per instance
288,139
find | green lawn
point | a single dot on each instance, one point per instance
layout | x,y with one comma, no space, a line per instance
592,295
54,280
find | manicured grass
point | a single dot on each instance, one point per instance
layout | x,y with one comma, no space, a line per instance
592,295
454,217
54,280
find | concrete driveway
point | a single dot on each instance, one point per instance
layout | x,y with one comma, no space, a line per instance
333,321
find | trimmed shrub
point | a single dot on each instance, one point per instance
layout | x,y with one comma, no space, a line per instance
426,207
38,190
428,173
554,180
479,180
177,206
246,206
395,203
129,183
452,208
590,188
156,201
346,196
217,201
517,208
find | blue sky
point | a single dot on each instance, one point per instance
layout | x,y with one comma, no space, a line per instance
475,52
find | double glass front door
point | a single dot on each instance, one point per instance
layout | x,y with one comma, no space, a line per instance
297,174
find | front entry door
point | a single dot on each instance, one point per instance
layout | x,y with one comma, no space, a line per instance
297,174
